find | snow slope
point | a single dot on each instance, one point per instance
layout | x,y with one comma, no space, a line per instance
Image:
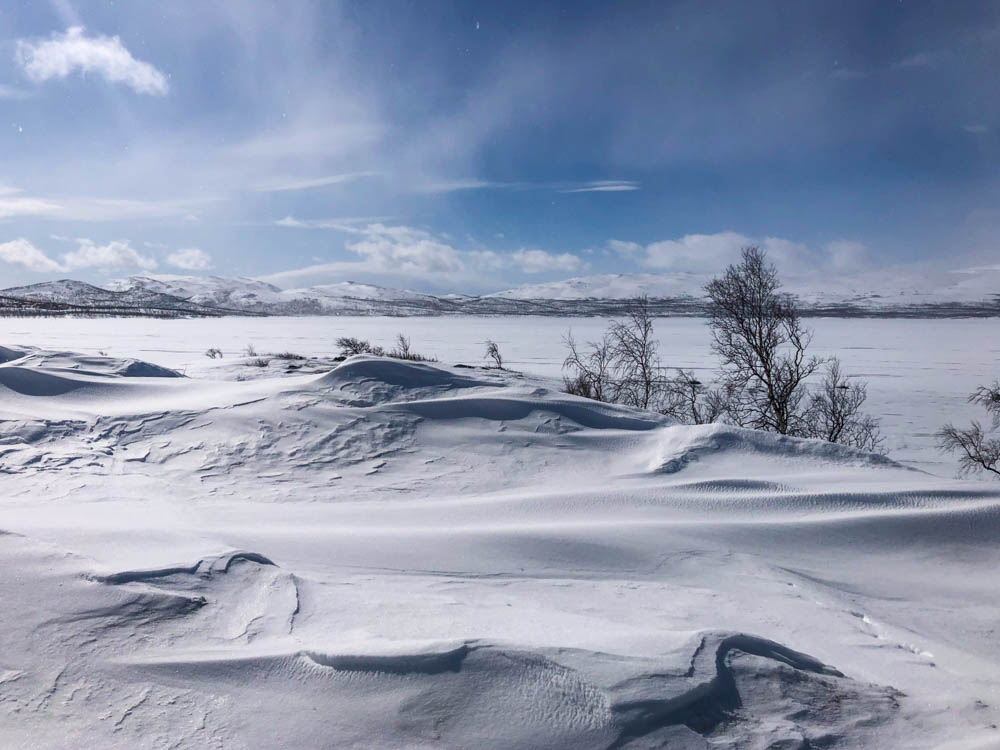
394,555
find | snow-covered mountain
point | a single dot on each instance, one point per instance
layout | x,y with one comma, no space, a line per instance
67,296
217,291
241,293
611,286
880,290
974,292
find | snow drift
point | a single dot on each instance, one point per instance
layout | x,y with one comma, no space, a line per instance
398,554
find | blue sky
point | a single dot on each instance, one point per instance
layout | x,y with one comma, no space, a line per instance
462,146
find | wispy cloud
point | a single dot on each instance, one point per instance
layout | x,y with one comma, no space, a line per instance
603,186
12,92
590,186
281,184
919,60
74,52
12,205
350,224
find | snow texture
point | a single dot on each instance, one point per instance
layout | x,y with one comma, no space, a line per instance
388,554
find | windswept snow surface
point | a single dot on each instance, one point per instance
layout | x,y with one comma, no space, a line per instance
400,555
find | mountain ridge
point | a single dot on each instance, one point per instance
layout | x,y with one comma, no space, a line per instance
873,293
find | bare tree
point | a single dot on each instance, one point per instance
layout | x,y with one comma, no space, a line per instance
834,412
977,451
689,401
493,352
761,342
635,358
402,350
592,372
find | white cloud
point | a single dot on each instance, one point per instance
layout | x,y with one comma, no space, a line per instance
63,54
626,249
407,251
20,206
603,186
711,252
281,184
403,253
22,253
539,261
190,259
350,224
116,254
591,186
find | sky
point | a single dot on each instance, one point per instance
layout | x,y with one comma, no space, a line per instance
475,146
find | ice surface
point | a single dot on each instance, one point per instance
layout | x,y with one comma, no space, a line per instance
392,554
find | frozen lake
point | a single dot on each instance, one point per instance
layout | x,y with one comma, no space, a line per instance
919,371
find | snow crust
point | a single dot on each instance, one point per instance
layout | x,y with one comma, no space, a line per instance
393,555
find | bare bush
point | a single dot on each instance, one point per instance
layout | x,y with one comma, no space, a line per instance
288,355
349,346
761,343
213,353
689,401
403,350
977,449
250,351
623,367
493,352
593,370
258,362
834,412
634,357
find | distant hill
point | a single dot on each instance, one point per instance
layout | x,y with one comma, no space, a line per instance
974,293
69,297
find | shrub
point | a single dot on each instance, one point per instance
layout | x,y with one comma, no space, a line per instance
493,352
977,450
350,346
213,353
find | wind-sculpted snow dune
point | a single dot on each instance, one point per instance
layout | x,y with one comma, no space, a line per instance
395,554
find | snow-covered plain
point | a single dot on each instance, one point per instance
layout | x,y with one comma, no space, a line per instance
398,555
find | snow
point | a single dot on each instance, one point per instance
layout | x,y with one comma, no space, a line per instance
250,294
387,554
872,289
